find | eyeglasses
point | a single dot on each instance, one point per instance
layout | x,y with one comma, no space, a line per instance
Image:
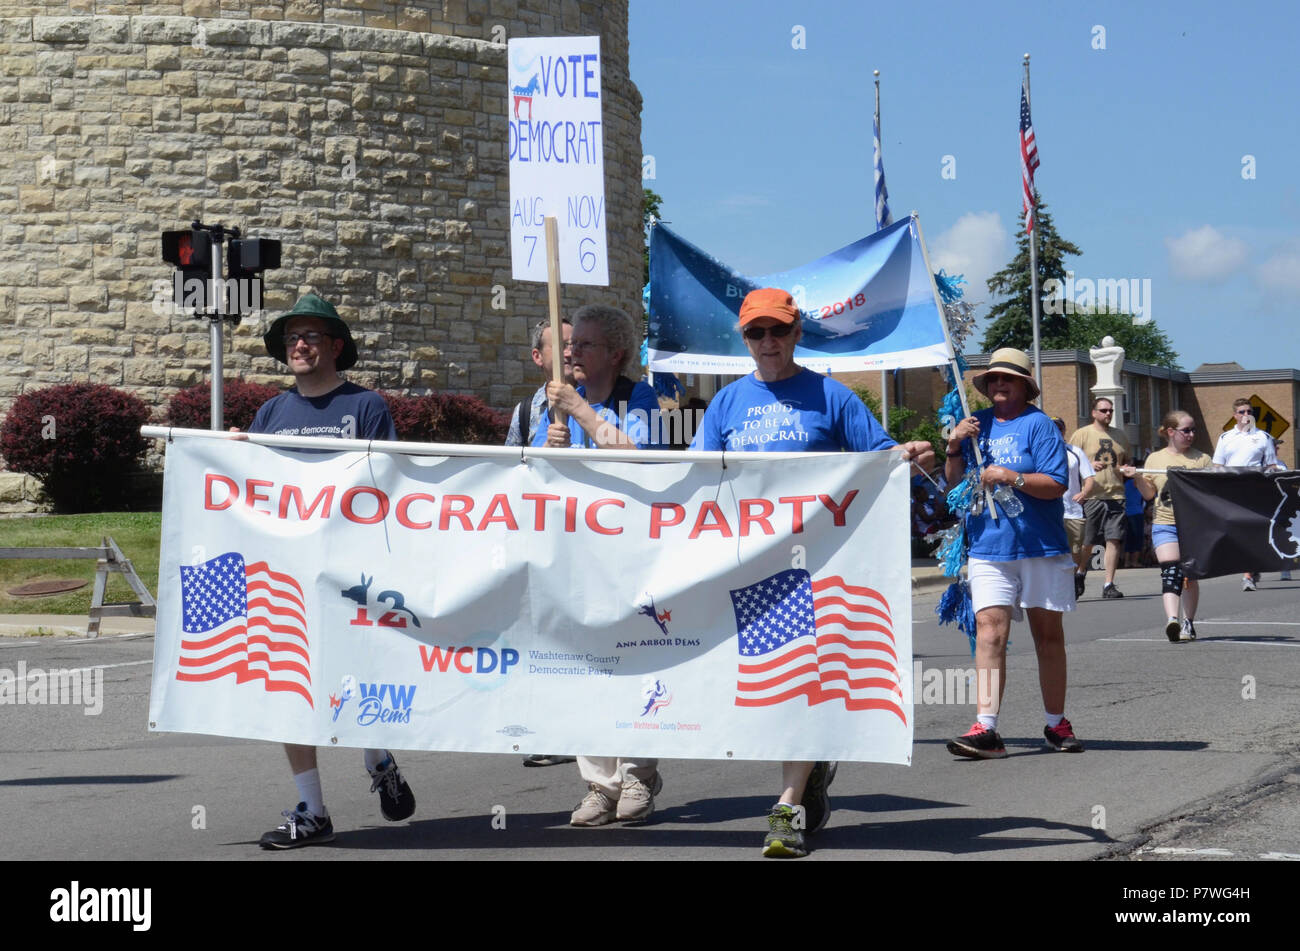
312,337
758,333
582,347
1187,432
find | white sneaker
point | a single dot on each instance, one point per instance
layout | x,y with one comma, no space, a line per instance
1189,630
1247,584
636,802
596,809
1284,576
1173,630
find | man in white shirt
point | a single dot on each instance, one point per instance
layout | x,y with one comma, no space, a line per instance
1244,445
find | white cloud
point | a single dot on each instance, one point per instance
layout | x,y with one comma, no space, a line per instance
1205,254
975,247
1281,272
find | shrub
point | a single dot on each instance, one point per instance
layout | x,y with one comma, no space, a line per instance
191,408
447,417
82,440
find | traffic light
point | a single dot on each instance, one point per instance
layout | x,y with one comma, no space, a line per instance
191,253
246,259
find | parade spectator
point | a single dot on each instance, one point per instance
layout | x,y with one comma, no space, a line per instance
1179,431
1018,562
1107,449
1246,446
317,346
605,410
1077,491
819,415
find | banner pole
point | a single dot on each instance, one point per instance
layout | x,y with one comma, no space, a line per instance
553,303
1033,263
956,370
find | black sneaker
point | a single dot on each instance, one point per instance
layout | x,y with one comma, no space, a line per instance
547,759
299,828
1062,738
1110,591
978,743
816,796
783,840
1173,630
1080,582
396,801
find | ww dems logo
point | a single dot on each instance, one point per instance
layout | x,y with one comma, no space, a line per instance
376,703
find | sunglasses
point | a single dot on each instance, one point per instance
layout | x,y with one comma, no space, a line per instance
758,333
1188,431
1104,412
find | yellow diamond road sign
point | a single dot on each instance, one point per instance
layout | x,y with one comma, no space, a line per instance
1266,418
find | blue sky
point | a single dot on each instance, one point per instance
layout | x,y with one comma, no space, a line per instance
762,151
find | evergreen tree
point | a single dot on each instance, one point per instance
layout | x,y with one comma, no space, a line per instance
1011,320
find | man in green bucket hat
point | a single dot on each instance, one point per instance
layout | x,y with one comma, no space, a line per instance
316,345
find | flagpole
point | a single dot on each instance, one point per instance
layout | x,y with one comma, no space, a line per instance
878,175
1033,263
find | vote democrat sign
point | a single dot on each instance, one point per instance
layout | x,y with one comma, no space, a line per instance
557,165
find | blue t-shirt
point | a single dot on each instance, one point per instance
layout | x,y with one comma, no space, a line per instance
1029,443
640,422
346,412
806,413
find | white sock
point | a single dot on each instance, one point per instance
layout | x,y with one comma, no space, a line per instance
309,791
373,758
988,720
1054,719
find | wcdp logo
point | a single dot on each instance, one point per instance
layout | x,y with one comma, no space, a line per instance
376,703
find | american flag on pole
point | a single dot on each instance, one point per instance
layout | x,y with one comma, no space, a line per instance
883,218
244,620
1028,158
823,640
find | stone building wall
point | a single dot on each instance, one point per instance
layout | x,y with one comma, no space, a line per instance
368,136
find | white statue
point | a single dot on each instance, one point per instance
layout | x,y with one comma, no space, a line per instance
1107,358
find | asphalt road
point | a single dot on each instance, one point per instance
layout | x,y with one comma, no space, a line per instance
1191,753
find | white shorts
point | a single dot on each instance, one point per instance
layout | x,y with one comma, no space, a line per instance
1026,583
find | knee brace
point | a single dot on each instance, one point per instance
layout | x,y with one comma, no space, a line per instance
1171,578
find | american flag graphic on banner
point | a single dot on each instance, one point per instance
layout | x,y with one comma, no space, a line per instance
822,640
1028,159
244,620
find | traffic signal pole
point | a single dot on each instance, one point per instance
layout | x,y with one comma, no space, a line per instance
216,335
218,300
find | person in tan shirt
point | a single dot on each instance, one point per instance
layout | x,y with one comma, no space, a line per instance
1107,448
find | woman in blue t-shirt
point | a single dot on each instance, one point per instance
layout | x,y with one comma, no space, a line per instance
1019,560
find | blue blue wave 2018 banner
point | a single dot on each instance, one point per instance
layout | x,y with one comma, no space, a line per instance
868,306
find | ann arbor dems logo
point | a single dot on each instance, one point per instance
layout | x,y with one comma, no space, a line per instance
377,703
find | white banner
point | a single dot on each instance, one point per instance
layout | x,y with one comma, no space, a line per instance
557,157
751,607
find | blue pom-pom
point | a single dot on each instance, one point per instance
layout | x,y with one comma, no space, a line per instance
955,607
949,290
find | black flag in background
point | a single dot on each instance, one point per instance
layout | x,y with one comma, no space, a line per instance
1236,520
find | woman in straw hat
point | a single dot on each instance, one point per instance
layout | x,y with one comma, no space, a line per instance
1020,559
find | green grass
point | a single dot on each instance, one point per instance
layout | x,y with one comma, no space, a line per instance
136,533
